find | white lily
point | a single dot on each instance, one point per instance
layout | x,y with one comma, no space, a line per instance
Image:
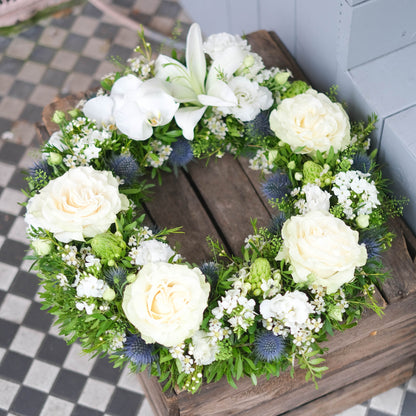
191,84
134,106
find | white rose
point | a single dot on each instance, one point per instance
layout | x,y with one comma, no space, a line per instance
322,248
316,198
312,121
166,302
203,351
252,98
81,203
152,251
217,44
292,307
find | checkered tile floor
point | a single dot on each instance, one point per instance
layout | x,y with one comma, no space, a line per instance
39,373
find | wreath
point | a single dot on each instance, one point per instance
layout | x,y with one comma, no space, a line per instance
116,285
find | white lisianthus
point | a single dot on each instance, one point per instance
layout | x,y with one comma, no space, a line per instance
316,198
83,202
166,302
204,350
311,121
292,308
322,249
152,251
251,97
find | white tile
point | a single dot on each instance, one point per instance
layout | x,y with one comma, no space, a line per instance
2,240
54,329
32,155
55,407
412,384
75,361
357,410
7,392
2,352
18,231
145,409
41,376
130,381
389,401
14,308
27,341
10,200
96,394
6,172
7,273
27,264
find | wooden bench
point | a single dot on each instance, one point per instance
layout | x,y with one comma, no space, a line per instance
219,201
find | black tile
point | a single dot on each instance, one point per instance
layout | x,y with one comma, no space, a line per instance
5,124
64,22
106,31
104,370
140,17
3,412
68,385
409,404
7,332
32,113
12,252
11,66
86,65
91,11
15,366
373,412
119,52
6,222
36,318
74,42
25,284
128,4
53,350
12,152
54,77
42,54
21,89
85,411
168,9
2,296
33,33
124,403
17,181
28,402
4,43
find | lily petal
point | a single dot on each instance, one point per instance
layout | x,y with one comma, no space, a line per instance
219,94
195,58
187,118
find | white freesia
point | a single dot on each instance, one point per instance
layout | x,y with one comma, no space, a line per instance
134,106
57,140
83,202
292,308
191,84
316,198
321,248
152,251
204,350
166,302
311,121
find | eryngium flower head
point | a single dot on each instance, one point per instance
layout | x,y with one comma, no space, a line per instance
268,346
181,153
277,186
260,126
276,224
372,243
210,270
136,349
125,167
40,172
361,162
115,276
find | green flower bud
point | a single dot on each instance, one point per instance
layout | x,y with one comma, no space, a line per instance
291,165
334,312
298,176
281,77
363,221
311,171
257,292
108,246
109,294
111,263
277,277
58,117
54,158
248,61
272,156
297,87
130,278
345,164
42,246
74,113
260,270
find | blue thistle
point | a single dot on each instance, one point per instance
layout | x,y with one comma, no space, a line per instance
372,243
361,162
136,349
210,270
277,186
115,276
125,167
276,224
268,347
181,153
260,126
40,169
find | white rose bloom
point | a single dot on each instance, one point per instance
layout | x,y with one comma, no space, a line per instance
251,97
322,248
312,121
166,302
152,251
83,202
292,308
216,44
316,198
204,351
